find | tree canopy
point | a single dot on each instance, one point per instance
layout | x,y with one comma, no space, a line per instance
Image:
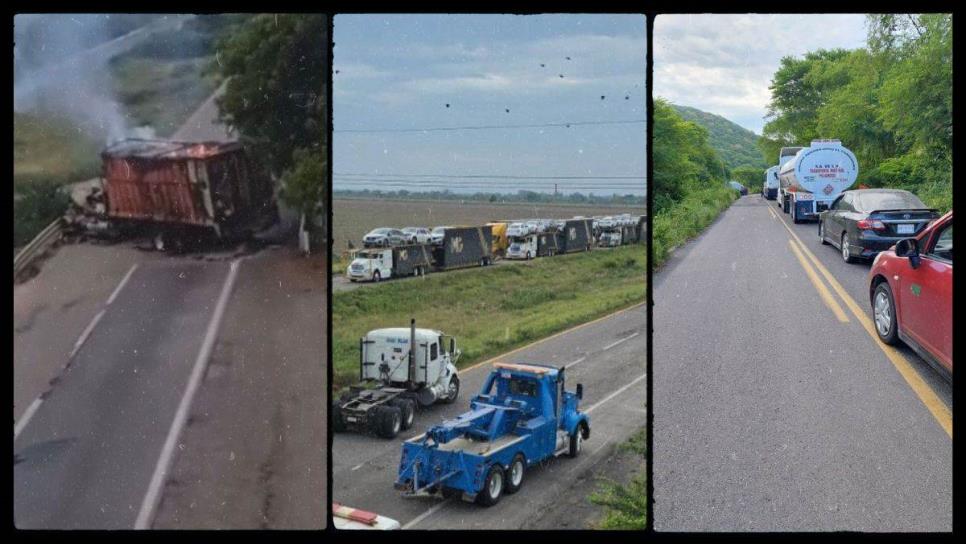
889,102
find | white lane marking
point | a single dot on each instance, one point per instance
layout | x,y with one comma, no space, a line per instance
29,413
606,399
574,363
622,340
121,285
357,467
425,514
87,332
615,393
153,496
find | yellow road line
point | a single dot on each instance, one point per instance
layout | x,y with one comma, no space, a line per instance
929,398
540,341
823,291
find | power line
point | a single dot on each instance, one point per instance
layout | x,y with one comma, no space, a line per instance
479,176
488,127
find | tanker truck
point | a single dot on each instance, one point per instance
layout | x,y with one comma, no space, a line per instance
814,177
784,155
769,188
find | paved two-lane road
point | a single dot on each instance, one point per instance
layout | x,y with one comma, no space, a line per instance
85,457
775,409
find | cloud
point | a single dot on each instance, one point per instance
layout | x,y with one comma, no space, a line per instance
724,63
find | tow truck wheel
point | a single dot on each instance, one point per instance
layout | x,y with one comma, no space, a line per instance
575,441
492,486
518,466
388,421
407,411
452,391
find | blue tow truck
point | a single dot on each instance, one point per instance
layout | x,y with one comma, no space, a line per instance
522,416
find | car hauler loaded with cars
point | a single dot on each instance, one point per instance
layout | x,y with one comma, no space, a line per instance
464,246
522,416
399,369
814,177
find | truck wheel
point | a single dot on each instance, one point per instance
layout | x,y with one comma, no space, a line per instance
785,205
452,391
492,486
795,214
376,276
884,314
388,421
518,466
407,409
846,252
821,232
575,441
338,424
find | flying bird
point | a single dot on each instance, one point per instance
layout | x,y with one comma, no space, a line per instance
561,76
542,65
627,97
508,110
568,58
601,97
447,105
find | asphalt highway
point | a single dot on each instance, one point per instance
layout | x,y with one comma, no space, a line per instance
775,407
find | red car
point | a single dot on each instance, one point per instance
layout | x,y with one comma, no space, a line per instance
911,291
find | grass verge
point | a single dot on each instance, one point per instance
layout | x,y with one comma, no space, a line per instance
625,506
491,310
686,219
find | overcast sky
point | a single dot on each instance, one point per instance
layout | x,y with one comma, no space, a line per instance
401,71
723,64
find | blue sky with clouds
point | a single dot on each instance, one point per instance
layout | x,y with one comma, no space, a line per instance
400,71
723,64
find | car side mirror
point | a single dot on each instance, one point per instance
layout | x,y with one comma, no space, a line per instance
580,391
909,247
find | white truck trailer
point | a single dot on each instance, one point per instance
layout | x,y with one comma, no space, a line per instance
814,177
769,189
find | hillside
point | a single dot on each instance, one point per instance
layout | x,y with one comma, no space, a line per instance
735,145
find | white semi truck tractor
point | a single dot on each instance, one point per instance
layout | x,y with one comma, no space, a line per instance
814,177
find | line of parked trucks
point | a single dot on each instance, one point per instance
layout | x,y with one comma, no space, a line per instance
416,251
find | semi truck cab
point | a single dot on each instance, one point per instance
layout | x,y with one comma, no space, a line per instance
371,265
522,247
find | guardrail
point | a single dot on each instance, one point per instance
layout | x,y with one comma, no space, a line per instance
38,245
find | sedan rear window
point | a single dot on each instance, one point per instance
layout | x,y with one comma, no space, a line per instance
888,201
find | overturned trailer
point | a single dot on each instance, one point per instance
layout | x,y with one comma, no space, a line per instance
186,189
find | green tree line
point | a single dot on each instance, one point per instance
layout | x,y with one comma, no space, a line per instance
890,102
689,180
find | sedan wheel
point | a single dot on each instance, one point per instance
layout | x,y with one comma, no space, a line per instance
884,314
846,252
821,232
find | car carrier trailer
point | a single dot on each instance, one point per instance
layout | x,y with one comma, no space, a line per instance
522,416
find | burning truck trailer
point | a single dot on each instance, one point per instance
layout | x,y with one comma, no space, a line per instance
181,192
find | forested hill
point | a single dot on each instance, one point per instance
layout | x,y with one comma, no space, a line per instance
737,146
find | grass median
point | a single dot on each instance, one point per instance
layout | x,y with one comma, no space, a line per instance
491,310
